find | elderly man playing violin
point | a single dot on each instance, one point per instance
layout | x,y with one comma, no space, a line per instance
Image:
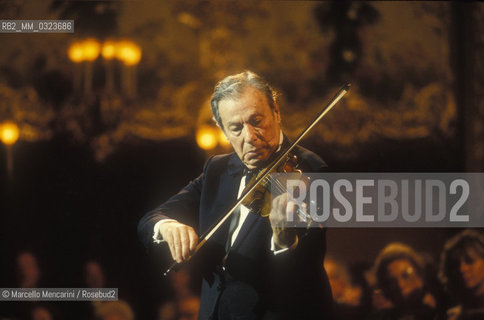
251,268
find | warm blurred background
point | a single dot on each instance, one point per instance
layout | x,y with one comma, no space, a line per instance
101,125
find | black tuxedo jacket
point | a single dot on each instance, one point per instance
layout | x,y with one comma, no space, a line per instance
252,283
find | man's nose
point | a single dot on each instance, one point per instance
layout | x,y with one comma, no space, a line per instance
250,133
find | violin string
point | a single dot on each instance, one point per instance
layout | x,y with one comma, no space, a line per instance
276,183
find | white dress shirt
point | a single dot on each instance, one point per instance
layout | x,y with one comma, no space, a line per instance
244,212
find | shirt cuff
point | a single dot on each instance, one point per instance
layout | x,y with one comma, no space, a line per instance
157,238
279,251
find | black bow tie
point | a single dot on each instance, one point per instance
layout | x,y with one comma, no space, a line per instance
251,172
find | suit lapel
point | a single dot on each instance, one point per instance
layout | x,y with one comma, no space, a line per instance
249,223
229,187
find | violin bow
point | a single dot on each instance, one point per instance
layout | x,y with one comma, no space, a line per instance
210,232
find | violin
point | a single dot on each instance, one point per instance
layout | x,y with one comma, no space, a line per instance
255,194
259,200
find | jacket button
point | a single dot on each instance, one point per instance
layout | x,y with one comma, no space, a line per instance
220,286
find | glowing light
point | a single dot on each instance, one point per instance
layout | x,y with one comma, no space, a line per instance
109,50
76,52
189,20
9,133
222,139
349,56
91,49
207,137
128,52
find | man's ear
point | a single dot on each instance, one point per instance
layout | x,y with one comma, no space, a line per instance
277,113
218,125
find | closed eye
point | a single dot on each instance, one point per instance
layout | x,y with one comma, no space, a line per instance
256,121
235,128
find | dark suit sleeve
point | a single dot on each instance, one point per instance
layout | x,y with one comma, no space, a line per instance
183,207
304,264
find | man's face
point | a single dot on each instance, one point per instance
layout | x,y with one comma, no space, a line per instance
251,126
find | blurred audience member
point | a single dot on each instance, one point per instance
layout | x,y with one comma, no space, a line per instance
399,272
180,282
28,272
188,308
349,295
462,273
94,275
184,305
180,309
114,310
41,312
91,275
